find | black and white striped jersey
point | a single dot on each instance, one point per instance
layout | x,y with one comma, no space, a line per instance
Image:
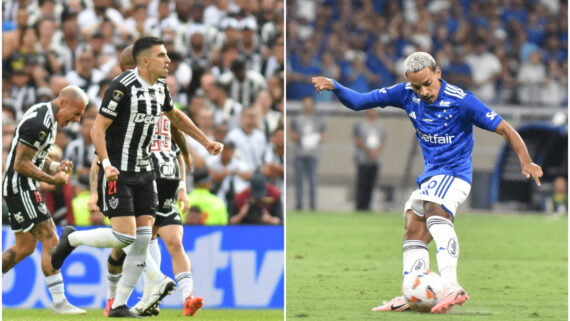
135,107
37,129
164,150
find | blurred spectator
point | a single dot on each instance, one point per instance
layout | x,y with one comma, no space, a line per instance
531,78
555,90
259,204
213,208
300,68
458,72
179,97
85,75
81,152
270,118
486,68
273,156
307,132
226,109
230,174
249,141
558,201
21,91
360,78
369,140
195,216
243,84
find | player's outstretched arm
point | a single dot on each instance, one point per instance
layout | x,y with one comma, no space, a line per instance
529,169
23,165
348,97
98,137
185,124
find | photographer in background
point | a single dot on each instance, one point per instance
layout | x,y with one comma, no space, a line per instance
259,204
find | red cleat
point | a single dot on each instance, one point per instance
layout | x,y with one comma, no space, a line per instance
192,305
108,306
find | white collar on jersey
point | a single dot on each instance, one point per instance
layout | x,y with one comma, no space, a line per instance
142,81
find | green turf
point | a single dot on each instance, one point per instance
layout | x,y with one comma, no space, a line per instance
340,265
165,314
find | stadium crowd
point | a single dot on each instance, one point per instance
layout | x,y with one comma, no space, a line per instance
227,74
504,51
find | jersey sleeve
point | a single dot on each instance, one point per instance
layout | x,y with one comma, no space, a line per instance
115,97
479,114
168,104
33,133
388,96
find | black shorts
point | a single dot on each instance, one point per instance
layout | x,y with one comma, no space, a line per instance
167,212
26,209
132,194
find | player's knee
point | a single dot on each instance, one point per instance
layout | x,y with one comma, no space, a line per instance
117,257
122,239
174,245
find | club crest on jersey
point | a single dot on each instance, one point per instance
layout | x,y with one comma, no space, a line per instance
42,136
114,202
118,95
416,100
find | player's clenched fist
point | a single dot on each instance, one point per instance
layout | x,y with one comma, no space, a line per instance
111,174
65,166
214,148
322,83
60,178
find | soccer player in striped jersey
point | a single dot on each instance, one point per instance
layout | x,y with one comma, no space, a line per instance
122,134
28,164
168,162
443,116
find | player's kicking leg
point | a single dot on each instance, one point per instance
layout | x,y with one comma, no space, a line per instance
172,236
415,255
440,224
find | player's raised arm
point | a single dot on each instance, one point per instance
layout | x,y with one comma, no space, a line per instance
185,124
517,144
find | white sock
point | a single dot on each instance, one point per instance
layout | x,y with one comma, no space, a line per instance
100,237
415,256
154,250
133,266
113,280
185,284
55,286
447,248
152,272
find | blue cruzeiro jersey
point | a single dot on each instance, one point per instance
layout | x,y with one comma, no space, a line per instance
444,129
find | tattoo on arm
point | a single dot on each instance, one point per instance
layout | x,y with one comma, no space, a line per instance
8,260
24,166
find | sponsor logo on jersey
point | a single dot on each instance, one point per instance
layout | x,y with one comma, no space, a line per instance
147,119
167,170
108,111
436,138
491,115
382,91
118,95
444,103
413,115
114,202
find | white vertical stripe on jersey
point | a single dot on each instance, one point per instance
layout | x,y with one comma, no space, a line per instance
28,204
129,132
148,111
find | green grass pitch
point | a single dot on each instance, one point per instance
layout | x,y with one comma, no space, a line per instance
165,314
340,265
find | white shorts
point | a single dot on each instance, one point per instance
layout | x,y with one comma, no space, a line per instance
445,190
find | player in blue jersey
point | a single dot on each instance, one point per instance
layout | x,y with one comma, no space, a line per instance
443,116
